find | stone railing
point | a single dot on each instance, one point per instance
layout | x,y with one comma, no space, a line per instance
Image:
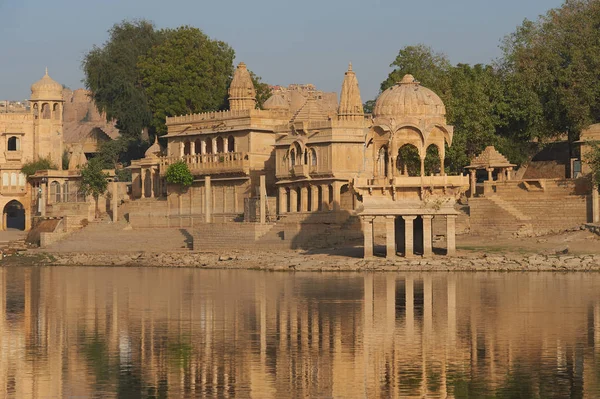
301,171
220,115
414,181
225,162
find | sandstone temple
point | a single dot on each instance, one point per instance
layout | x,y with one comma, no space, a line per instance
310,170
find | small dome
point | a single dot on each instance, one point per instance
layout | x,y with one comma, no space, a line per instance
276,101
409,98
46,89
154,150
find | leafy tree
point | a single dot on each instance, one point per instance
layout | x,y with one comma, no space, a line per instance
94,181
557,60
65,159
594,161
112,76
178,173
263,91
186,73
430,68
30,168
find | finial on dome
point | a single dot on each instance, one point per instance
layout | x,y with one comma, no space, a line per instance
349,66
408,79
46,71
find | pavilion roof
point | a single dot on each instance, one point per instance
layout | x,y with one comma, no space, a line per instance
490,158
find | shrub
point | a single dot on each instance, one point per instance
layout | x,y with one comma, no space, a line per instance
179,173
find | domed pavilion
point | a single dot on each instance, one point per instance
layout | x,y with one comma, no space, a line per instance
408,119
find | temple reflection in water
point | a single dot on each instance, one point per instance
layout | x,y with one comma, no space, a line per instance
112,332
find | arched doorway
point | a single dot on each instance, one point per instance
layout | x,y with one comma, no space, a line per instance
14,215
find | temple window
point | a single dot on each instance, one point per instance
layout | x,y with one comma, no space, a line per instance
187,148
13,144
313,157
45,111
56,111
230,144
208,146
220,145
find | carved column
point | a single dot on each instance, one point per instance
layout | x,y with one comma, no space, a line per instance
192,148
214,145
390,237
293,200
427,235
207,200
325,197
115,201
473,182
367,225
263,199
151,171
408,235
203,147
451,234
282,200
181,149
304,199
422,166
226,144
595,204
490,177
336,186
314,198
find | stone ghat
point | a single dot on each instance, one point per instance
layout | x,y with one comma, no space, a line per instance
320,262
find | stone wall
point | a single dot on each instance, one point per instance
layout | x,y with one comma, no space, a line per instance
531,207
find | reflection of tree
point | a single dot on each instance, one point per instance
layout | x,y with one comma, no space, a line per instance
96,354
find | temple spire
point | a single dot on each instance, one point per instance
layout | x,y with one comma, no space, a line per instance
242,94
351,107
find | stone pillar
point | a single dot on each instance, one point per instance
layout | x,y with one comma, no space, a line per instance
151,171
451,234
192,148
390,237
314,198
293,199
263,199
181,149
214,145
42,200
408,235
282,200
207,200
304,199
203,147
336,187
4,216
325,197
115,201
422,166
427,238
226,144
490,177
595,204
473,182
367,222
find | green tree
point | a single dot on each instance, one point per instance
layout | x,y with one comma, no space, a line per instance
94,180
112,76
29,168
594,161
179,173
263,91
187,72
557,59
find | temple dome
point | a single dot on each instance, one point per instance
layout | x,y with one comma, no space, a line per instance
276,101
409,98
154,150
46,89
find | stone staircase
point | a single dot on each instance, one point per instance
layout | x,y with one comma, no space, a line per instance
525,227
495,216
234,235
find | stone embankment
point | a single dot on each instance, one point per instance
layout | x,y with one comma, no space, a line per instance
300,261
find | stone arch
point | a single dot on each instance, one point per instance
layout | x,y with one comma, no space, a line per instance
56,111
409,134
435,129
14,215
198,146
408,161
187,148
230,144
220,145
295,153
55,191
46,111
36,111
209,147
13,144
313,157
433,160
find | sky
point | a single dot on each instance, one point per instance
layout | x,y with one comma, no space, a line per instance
304,41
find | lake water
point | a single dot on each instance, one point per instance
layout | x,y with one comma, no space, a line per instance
154,333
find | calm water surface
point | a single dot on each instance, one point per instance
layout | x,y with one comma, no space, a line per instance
158,333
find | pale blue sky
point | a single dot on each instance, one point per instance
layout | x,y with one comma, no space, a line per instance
304,41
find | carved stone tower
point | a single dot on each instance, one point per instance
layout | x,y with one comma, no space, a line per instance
241,91
47,107
351,107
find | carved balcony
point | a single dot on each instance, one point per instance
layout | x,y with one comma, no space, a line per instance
208,164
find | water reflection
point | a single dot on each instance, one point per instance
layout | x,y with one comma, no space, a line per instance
150,333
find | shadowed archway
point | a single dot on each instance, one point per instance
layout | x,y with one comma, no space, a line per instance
14,215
